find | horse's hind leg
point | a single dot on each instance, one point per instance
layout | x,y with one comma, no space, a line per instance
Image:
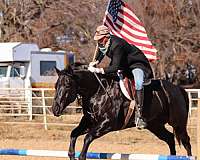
81,129
182,136
162,133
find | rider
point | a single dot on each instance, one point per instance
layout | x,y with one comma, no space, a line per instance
123,57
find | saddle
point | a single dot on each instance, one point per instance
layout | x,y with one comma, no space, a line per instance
127,87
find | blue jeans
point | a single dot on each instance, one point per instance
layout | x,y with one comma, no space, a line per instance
138,78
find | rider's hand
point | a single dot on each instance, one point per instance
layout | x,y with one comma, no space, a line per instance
96,70
92,64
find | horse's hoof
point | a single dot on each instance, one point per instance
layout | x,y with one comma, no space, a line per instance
141,124
82,158
71,156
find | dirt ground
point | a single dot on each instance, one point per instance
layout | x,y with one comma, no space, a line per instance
57,138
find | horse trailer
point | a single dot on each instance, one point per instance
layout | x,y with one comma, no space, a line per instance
24,65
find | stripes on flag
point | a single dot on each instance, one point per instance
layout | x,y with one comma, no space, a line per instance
125,24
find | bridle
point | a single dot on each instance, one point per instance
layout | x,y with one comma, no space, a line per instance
59,96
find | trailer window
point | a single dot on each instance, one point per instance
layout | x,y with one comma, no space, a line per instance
3,71
15,72
47,68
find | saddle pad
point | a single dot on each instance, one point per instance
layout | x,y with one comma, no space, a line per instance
128,88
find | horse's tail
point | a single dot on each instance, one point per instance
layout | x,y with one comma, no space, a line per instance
176,130
185,95
177,136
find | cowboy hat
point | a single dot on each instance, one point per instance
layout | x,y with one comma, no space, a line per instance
101,31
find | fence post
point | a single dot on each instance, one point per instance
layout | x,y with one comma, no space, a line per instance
198,127
28,94
190,102
44,109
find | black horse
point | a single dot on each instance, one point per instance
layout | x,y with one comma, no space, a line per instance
105,108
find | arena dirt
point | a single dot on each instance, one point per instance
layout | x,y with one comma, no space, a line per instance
57,138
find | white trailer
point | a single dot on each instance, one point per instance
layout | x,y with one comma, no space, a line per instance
23,65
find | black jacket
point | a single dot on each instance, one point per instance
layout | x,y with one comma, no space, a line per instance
125,57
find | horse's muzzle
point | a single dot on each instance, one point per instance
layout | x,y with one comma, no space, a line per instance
56,109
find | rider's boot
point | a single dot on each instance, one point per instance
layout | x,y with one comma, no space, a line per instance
139,119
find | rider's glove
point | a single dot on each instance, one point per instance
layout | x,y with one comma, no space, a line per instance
96,70
92,64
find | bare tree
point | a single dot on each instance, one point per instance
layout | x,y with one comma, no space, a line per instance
172,25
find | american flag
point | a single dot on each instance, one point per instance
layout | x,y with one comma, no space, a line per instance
125,24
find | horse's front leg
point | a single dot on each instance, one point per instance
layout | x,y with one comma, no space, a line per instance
81,129
92,134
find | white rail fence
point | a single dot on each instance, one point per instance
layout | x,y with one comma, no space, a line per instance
36,102
32,102
194,96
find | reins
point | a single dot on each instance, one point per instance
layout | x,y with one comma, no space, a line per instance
102,86
94,112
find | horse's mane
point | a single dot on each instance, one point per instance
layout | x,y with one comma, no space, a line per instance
78,66
71,68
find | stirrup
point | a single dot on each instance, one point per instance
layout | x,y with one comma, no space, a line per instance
140,123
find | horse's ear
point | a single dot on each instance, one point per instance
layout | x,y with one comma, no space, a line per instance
69,69
57,70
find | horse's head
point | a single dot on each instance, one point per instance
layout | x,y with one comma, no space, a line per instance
65,90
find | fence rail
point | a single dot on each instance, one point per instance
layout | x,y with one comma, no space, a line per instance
31,102
194,96
16,102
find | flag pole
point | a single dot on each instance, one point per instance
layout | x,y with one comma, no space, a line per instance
96,49
95,53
